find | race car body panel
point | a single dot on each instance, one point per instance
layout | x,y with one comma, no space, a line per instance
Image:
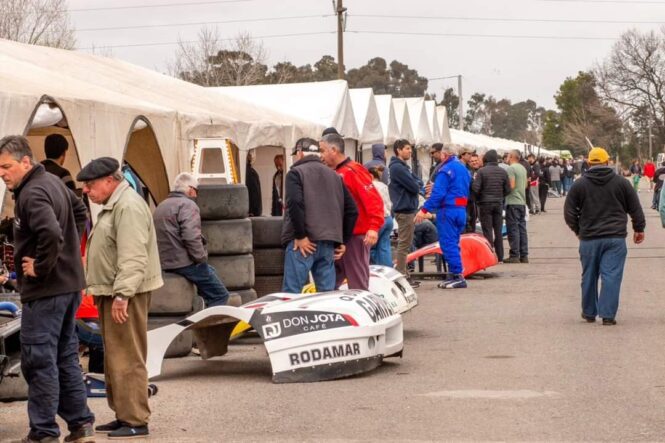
308,337
476,252
393,287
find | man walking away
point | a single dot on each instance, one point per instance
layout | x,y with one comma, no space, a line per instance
595,210
555,177
49,220
181,244
354,264
122,271
278,187
636,172
404,190
658,179
533,184
55,148
491,187
543,183
448,199
319,219
516,211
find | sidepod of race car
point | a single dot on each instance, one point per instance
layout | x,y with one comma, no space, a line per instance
476,251
392,286
308,337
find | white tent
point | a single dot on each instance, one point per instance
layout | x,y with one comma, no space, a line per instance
422,135
366,115
435,129
483,143
384,104
403,119
442,118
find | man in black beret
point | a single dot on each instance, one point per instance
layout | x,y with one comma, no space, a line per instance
122,271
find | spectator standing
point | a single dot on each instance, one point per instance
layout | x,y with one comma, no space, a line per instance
555,176
404,190
278,187
491,187
543,183
181,244
55,148
649,172
379,160
567,176
533,184
658,178
49,220
466,157
381,253
354,264
602,239
435,154
448,200
253,183
122,271
636,173
315,229
516,211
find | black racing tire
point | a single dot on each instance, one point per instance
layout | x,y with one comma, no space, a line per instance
228,237
223,202
267,284
235,271
267,232
176,297
182,344
13,388
269,261
243,296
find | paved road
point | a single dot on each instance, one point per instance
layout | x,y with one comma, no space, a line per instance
507,359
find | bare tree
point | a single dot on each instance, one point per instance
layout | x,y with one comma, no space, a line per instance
37,22
213,61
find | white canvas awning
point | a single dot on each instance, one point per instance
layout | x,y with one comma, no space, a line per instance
384,105
430,109
403,119
442,118
418,117
366,115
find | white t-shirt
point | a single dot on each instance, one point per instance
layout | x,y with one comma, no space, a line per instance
385,196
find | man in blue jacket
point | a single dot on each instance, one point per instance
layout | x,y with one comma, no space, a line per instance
449,197
404,188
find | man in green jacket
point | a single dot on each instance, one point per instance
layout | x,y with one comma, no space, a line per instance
122,270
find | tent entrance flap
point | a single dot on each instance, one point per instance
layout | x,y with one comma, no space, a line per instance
213,161
143,155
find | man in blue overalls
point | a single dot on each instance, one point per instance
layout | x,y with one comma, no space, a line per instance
448,200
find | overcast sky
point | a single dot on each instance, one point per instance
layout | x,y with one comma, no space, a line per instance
516,68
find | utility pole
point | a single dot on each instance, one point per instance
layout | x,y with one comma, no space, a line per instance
461,103
650,142
340,10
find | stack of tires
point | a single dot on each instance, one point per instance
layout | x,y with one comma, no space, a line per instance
268,254
224,211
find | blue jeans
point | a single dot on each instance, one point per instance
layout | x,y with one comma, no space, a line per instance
297,268
516,227
208,285
50,364
380,253
450,224
602,258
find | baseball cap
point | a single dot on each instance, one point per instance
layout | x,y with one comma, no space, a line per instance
598,155
465,150
306,145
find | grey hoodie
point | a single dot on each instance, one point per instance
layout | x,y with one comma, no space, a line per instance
379,159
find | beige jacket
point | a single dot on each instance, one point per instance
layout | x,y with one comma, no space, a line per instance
122,256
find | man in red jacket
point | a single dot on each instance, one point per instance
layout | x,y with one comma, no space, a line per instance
354,264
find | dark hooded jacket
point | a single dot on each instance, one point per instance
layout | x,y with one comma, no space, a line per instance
379,159
404,187
598,203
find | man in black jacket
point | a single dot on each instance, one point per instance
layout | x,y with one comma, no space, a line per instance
319,219
55,148
491,186
596,210
49,220
277,208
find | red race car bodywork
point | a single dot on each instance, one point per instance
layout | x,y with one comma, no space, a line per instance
476,251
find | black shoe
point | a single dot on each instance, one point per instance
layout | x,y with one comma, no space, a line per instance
414,283
589,318
609,322
84,434
128,432
524,260
108,427
512,260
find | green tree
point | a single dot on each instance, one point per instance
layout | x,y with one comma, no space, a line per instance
397,79
451,102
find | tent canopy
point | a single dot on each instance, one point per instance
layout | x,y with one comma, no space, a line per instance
366,115
403,119
422,135
435,129
386,110
442,118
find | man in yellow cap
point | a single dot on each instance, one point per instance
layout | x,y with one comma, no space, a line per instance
596,210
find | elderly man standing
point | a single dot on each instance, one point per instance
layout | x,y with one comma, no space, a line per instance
122,270
315,229
180,241
354,264
596,211
49,219
404,191
448,199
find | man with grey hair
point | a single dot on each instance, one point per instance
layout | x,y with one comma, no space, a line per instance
122,271
354,264
181,244
49,220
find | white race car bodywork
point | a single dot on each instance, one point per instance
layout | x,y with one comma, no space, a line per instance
393,287
308,337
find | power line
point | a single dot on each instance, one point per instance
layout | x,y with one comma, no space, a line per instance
136,45
520,20
161,5
434,34
624,2
168,25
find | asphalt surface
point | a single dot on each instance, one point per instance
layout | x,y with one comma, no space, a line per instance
509,358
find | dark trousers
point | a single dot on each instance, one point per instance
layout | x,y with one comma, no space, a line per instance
471,217
604,259
542,192
516,227
50,365
491,220
208,284
354,264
